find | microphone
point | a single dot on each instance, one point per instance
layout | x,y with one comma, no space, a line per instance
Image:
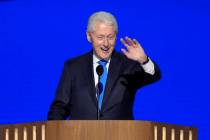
99,71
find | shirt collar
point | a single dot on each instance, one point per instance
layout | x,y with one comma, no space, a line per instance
96,59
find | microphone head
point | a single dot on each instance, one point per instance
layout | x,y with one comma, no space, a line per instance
99,70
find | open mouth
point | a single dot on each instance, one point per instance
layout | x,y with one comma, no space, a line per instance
105,49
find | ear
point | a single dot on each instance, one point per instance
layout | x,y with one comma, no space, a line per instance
88,37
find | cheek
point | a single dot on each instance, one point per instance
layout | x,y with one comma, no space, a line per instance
112,43
97,43
96,46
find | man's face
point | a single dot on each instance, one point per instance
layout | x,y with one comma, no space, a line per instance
103,40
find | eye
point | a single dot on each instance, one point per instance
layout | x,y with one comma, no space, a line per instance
100,37
111,37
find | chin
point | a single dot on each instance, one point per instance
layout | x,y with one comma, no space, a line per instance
103,55
106,56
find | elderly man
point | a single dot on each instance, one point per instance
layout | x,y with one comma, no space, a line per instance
87,91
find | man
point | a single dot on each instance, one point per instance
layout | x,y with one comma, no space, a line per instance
121,76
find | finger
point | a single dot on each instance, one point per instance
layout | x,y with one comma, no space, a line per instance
124,52
125,44
123,41
136,42
130,41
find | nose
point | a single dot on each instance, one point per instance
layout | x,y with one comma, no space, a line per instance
106,42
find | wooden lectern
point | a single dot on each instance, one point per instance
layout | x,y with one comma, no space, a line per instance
97,130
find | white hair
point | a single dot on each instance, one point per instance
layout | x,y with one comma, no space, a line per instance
103,17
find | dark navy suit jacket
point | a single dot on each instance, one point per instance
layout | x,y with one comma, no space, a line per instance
76,92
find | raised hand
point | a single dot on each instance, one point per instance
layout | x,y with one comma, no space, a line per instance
134,50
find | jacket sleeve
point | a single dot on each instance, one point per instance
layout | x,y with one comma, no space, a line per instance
137,77
60,108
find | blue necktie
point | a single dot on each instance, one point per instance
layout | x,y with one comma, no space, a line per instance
102,82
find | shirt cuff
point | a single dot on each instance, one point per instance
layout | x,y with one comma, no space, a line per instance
149,67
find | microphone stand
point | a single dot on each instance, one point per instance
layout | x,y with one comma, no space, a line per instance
99,71
97,94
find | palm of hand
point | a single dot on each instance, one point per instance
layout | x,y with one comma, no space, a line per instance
134,50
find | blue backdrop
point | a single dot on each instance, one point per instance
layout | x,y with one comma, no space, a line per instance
37,36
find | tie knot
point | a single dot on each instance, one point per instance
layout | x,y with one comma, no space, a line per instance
102,62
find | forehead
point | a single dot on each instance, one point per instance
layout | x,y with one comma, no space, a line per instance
103,28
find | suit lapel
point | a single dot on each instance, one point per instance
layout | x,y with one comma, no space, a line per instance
88,70
113,74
